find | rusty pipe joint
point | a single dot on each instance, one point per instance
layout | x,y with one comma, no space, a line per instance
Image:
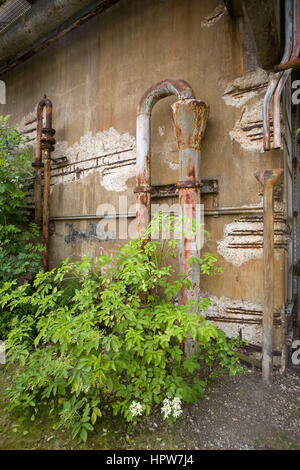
48,141
189,120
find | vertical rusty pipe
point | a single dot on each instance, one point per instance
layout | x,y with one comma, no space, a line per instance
46,208
38,164
167,87
285,75
268,179
47,146
189,119
288,48
266,112
44,147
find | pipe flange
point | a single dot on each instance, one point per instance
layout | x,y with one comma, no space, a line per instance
48,130
48,142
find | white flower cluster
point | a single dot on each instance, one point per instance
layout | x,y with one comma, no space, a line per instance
171,408
136,409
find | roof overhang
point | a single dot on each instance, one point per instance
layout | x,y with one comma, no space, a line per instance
43,23
263,20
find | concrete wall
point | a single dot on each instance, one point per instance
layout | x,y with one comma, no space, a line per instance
95,76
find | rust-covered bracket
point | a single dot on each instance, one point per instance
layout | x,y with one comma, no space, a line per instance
44,147
172,190
268,179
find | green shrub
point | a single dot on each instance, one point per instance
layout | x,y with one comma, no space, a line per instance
105,336
19,254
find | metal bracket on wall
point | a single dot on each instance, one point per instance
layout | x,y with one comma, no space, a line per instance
171,190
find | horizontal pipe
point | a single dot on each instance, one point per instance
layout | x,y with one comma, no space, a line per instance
291,64
208,212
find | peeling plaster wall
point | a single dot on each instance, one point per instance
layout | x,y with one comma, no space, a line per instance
247,94
111,154
240,318
243,239
96,75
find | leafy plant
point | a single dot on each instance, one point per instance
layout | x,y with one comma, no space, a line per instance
19,254
105,336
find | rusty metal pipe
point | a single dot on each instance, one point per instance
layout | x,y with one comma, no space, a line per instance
266,113
44,146
165,88
285,75
268,178
288,47
290,64
38,164
189,120
38,168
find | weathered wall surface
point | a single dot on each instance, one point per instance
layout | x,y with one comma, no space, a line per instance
95,77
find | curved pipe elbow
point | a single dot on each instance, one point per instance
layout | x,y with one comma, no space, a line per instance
170,86
44,103
167,87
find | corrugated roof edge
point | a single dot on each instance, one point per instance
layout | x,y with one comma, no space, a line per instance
91,10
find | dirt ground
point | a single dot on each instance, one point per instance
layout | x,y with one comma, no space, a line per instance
243,413
236,413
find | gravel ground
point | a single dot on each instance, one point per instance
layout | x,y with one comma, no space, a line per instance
242,413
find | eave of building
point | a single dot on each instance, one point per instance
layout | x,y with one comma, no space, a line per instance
91,10
263,27
263,21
